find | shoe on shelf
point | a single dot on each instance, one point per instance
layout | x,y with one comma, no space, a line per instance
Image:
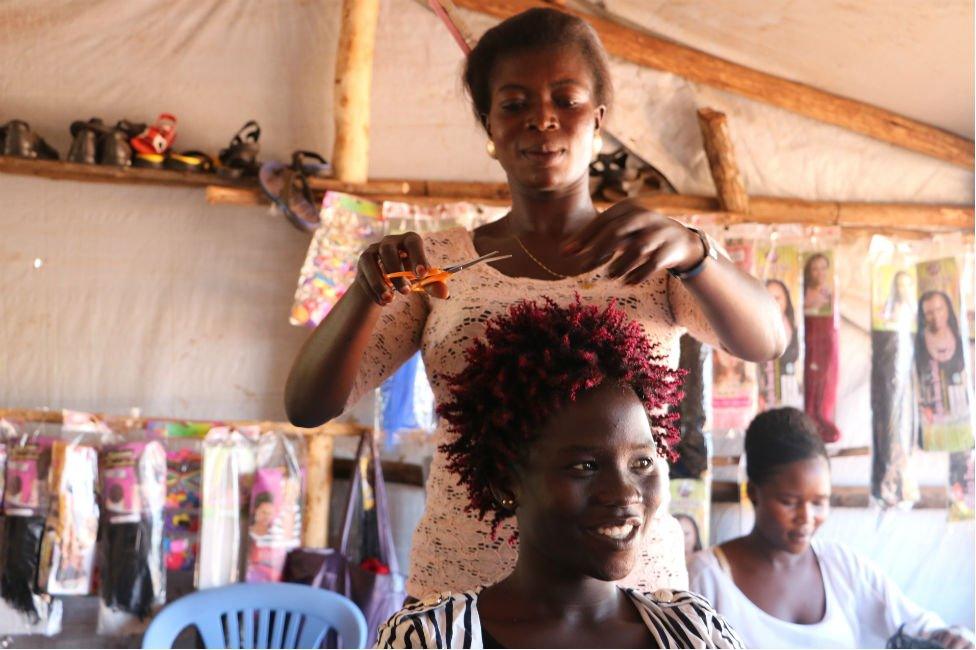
288,188
84,141
20,141
158,137
240,158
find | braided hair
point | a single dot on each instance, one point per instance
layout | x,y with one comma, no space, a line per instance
531,363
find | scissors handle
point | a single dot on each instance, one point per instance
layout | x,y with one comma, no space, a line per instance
418,284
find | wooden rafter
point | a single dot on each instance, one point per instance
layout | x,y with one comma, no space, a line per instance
353,77
729,186
643,48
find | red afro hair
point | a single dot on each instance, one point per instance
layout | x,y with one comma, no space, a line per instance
532,362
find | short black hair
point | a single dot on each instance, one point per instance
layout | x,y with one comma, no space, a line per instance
778,437
262,498
535,29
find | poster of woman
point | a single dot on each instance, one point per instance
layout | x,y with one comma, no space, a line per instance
894,300
779,379
818,283
940,359
734,385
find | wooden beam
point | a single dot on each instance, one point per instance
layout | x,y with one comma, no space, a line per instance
54,417
893,218
731,190
353,78
318,481
69,171
638,46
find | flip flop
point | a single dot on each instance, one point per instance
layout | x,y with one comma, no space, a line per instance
240,157
189,161
19,140
280,182
149,160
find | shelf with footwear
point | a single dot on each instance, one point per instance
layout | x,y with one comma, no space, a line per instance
71,171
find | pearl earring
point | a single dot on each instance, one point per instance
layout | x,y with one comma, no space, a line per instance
490,148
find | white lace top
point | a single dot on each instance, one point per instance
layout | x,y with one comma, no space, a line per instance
452,549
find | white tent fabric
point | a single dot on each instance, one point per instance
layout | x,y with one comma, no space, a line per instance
119,296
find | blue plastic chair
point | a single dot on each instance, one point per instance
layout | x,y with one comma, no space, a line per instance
272,615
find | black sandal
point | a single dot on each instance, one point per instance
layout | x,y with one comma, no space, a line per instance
240,158
84,141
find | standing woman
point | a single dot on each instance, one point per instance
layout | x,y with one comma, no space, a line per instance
540,86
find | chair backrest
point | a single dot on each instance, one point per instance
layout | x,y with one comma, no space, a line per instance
272,615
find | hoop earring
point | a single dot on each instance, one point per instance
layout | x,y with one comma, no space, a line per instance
597,144
490,148
508,504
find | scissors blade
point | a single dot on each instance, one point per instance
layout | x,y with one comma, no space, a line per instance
487,257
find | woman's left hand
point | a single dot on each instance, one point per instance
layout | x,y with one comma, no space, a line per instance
951,639
642,241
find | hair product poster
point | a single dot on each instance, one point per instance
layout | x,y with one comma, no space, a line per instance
734,388
690,501
821,371
940,358
779,268
961,489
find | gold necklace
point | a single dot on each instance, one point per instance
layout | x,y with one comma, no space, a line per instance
534,259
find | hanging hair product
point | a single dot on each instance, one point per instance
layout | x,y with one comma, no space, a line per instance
228,469
944,372
778,265
894,414
182,512
275,522
71,529
822,341
134,491
25,502
695,410
734,389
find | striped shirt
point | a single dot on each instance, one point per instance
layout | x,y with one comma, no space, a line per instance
675,619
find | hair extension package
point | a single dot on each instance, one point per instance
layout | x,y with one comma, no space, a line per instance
821,320
228,472
71,530
734,387
894,413
25,506
133,495
778,267
275,522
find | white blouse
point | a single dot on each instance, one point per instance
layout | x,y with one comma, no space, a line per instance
864,607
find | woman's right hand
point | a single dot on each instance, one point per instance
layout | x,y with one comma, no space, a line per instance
391,254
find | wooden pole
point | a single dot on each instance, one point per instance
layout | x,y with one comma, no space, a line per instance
318,481
353,77
638,46
731,190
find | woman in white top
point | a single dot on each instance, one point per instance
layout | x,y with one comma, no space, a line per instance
541,88
560,417
781,588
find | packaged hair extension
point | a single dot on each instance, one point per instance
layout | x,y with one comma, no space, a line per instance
894,414
25,505
181,524
691,506
961,489
821,319
68,548
275,522
133,493
695,410
941,357
734,388
779,269
228,469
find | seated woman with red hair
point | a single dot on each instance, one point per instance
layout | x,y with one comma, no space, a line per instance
559,419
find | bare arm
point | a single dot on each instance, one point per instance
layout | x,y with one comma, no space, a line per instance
325,369
743,315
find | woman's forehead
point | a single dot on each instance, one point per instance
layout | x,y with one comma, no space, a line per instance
550,67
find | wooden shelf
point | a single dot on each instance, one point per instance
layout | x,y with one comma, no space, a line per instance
68,171
902,219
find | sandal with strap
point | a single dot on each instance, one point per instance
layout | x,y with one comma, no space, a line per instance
240,157
288,188
19,140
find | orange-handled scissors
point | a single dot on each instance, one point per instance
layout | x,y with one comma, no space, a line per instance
441,275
